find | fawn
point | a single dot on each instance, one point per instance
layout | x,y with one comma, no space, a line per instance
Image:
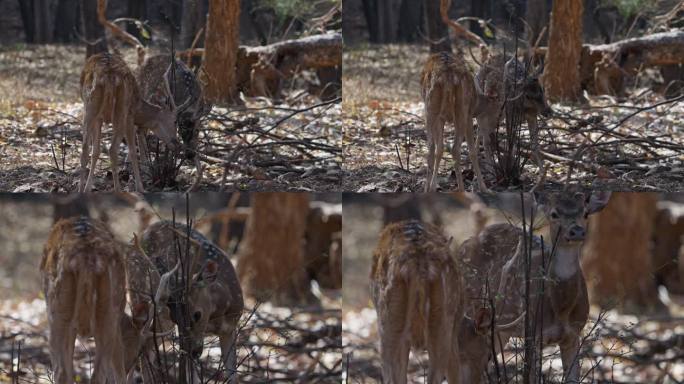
83,271
214,296
508,83
416,287
187,91
110,94
557,315
451,95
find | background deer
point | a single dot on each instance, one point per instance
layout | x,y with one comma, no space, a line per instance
213,297
84,282
416,288
110,94
507,82
450,95
560,313
187,93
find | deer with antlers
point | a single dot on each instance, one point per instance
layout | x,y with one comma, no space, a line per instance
83,271
206,287
559,309
510,87
187,94
416,288
110,94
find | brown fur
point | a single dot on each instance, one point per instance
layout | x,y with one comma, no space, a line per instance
496,252
416,288
84,285
110,94
450,96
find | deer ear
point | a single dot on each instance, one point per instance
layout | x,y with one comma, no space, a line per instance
597,201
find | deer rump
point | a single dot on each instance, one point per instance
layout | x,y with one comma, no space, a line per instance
447,82
421,287
94,282
105,84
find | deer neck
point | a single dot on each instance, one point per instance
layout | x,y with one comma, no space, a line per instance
145,115
565,262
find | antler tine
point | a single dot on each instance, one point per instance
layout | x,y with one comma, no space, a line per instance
168,86
163,292
459,29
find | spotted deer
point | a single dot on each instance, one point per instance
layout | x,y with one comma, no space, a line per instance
188,94
213,296
559,312
83,273
450,95
509,89
110,94
416,287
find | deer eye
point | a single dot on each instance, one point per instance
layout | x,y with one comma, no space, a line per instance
196,316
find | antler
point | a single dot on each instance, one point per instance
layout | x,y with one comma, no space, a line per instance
458,28
167,86
118,32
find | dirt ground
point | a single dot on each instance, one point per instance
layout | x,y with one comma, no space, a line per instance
617,349
385,143
294,145
275,343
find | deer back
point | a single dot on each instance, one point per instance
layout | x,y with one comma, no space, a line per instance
165,243
412,263
448,87
187,92
83,254
106,80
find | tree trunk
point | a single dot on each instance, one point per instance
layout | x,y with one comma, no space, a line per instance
94,31
410,21
26,9
537,16
67,20
220,55
137,9
271,258
194,18
437,31
43,21
561,70
370,10
617,261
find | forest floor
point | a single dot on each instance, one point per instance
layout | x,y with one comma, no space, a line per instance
294,145
616,348
634,143
275,343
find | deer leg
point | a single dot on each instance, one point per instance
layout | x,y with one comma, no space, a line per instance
485,125
61,301
570,357
85,153
394,342
229,356
473,152
429,125
439,346
132,151
198,178
95,130
114,159
534,141
438,141
109,364
456,154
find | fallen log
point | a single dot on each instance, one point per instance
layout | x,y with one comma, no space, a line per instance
603,67
261,70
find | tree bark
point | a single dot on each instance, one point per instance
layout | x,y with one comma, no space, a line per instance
43,22
66,21
370,11
617,261
94,31
537,16
194,18
221,53
562,66
437,31
271,258
26,9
